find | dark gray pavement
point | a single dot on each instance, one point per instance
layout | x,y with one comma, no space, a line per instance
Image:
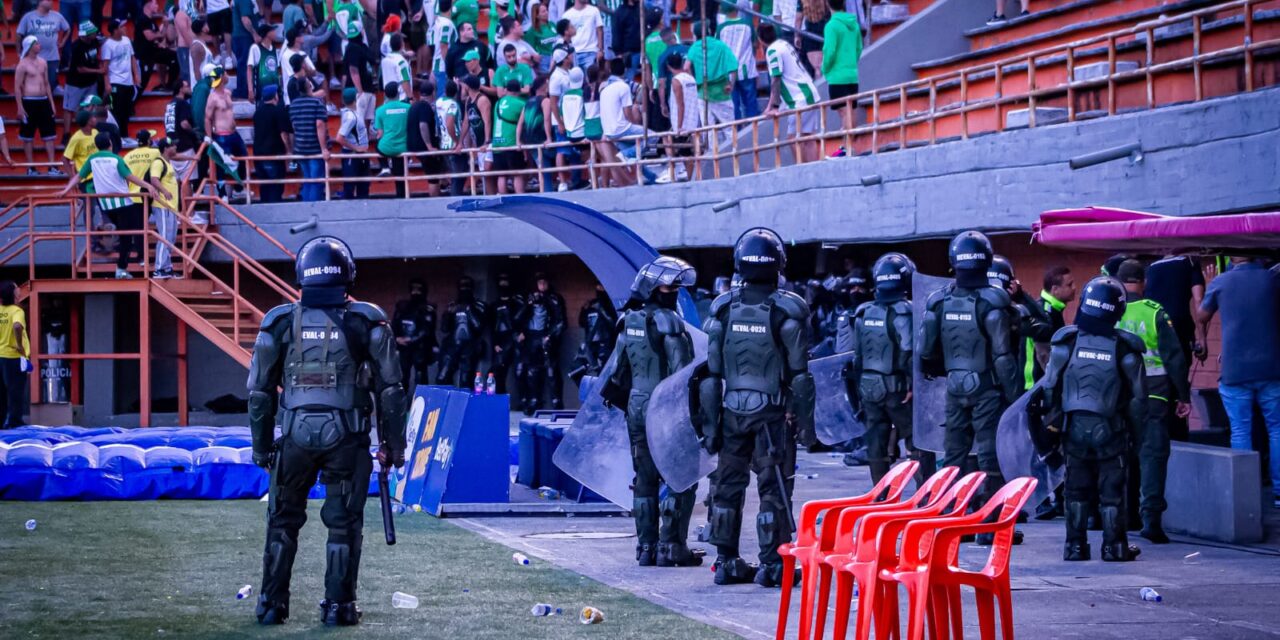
1222,593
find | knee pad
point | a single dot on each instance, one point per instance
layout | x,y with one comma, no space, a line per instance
338,558
645,511
769,530
724,526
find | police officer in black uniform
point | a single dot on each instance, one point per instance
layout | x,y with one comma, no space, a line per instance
879,376
502,313
599,322
758,394
1094,391
335,360
969,338
652,345
1031,324
462,327
414,325
541,325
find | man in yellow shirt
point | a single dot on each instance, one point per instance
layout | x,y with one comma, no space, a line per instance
78,150
139,160
14,349
163,177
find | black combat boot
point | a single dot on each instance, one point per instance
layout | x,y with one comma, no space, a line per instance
339,614
733,571
769,576
270,613
1153,529
1115,537
646,554
1077,545
678,554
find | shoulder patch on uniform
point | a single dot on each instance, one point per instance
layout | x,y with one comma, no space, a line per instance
792,305
667,322
273,316
372,312
1066,334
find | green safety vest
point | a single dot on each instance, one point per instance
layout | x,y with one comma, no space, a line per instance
1029,367
1140,319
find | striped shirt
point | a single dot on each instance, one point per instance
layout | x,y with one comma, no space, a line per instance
109,176
798,89
304,112
741,38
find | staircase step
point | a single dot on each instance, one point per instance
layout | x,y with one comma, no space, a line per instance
889,13
207,309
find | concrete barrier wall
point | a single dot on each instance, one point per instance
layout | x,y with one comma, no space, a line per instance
1214,493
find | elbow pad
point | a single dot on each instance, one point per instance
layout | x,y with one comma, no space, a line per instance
391,417
262,420
1007,376
711,402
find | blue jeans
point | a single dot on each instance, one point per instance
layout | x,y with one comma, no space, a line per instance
312,170
355,168
746,102
1238,400
630,150
584,59
442,79
240,47
271,170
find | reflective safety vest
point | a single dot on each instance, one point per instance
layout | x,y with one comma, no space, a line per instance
1140,320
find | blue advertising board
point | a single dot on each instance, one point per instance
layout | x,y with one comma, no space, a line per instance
458,447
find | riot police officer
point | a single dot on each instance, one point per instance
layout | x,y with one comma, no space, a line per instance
1094,389
502,313
825,316
652,345
463,329
599,322
1030,322
968,337
333,358
758,377
879,376
414,325
541,324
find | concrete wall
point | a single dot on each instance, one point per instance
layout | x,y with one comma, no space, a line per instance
1213,156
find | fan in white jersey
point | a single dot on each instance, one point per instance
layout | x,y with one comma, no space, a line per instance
791,88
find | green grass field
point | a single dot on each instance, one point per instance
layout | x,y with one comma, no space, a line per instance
171,569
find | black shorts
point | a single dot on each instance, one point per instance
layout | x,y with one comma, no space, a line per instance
683,145
509,161
220,22
417,32
838,91
39,118
432,165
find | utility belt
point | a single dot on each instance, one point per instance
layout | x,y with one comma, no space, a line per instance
321,428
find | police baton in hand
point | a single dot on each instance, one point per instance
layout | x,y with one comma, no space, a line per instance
384,495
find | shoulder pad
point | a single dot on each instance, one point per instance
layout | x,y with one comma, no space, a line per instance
1131,341
1066,334
998,298
791,305
667,322
862,308
273,316
721,302
369,311
938,295
901,307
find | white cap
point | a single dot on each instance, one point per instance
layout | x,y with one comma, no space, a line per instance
26,45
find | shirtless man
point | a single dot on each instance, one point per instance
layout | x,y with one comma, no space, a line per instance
182,17
220,121
35,103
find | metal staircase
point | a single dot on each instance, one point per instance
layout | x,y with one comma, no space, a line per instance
210,299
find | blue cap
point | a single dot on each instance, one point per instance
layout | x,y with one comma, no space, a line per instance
270,91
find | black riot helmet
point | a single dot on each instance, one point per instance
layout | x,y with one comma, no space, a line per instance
662,271
892,274
759,256
970,254
1102,305
325,261
1000,273
466,288
504,284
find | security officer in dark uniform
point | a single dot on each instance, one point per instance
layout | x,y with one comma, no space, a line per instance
1094,391
502,328
879,376
463,329
652,345
968,337
1168,393
540,326
334,359
414,325
756,359
1031,324
598,319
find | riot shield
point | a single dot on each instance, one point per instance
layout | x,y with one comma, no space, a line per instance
1018,456
833,417
596,450
929,397
673,440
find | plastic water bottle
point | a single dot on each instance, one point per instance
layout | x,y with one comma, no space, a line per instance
520,558
1150,595
244,592
810,476
31,525
398,509
478,386
547,493
401,600
591,615
491,385
543,610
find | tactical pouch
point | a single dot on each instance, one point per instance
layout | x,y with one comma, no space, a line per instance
871,386
313,374
316,430
962,382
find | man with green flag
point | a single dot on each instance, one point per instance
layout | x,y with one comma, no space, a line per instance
715,69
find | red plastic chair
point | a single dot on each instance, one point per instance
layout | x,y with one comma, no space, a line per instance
877,548
811,543
927,566
842,550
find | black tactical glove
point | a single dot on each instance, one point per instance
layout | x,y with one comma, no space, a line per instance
390,457
264,459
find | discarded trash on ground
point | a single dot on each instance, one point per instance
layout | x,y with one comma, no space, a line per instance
401,600
591,615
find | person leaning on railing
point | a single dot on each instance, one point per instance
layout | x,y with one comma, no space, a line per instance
353,137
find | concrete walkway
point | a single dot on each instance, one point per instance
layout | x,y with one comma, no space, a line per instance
1222,593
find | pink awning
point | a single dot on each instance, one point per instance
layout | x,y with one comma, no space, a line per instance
1120,230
